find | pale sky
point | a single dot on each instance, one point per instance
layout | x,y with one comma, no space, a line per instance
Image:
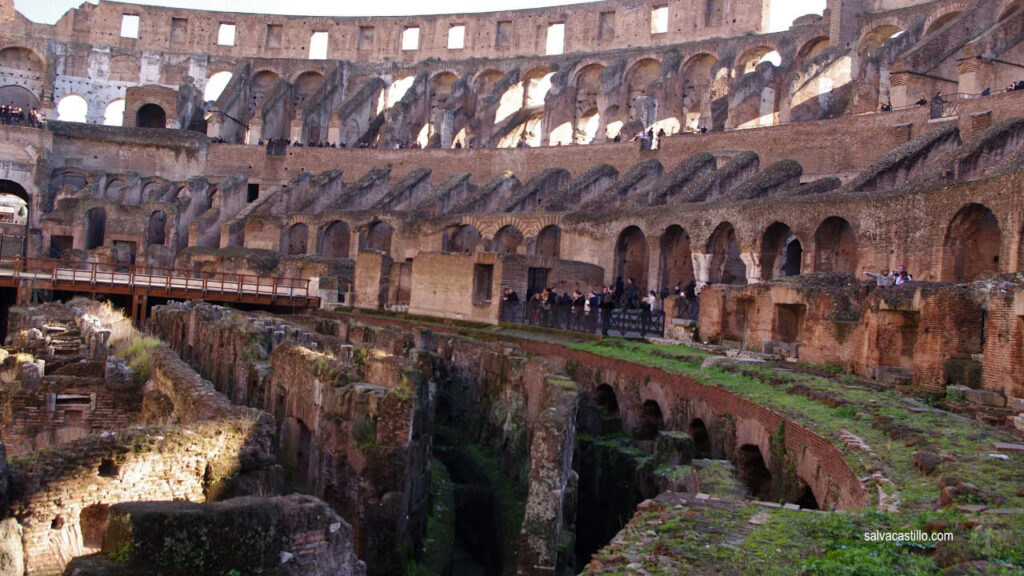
49,11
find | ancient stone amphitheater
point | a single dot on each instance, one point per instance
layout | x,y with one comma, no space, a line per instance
355,200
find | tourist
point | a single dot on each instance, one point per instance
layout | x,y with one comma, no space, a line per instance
645,314
901,276
629,295
592,309
986,92
887,107
922,101
579,304
607,305
938,106
883,280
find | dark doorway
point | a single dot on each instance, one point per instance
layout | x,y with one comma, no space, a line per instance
151,116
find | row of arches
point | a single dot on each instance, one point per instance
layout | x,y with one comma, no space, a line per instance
333,239
467,239
751,468
75,108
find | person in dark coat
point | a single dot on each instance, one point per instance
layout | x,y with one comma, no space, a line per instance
607,306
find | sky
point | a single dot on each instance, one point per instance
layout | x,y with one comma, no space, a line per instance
49,11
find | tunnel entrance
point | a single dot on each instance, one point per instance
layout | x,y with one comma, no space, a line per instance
752,471
701,440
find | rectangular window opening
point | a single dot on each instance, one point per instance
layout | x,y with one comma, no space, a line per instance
556,39
365,41
226,34
503,35
274,34
483,277
318,46
606,26
411,38
129,26
659,20
457,37
179,29
252,192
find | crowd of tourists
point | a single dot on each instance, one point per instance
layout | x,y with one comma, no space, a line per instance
887,279
11,115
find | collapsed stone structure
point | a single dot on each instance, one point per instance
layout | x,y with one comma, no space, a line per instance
524,178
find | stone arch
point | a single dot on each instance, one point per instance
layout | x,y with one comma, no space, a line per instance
971,247
95,228
335,237
14,189
151,116
304,85
548,243
113,113
72,108
376,236
586,111
462,239
587,126
726,265
22,58
20,96
753,473
876,36
640,78
91,521
805,497
260,85
812,47
606,399
781,252
698,75
938,21
835,247
701,439
676,258
748,60
483,81
652,421
631,256
121,191
215,84
507,240
156,229
297,240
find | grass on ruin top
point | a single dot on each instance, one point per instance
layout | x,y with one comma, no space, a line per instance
680,537
893,425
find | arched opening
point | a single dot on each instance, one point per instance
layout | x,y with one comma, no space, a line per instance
527,93
941,22
19,97
335,240
726,265
485,80
701,439
548,242
651,421
805,496
641,80
971,247
780,252
697,79
260,86
151,116
95,228
747,61
72,108
215,85
121,192
753,473
156,228
464,239
676,258
631,256
304,86
835,247
525,133
877,36
606,400
507,240
397,89
22,59
376,237
297,239
113,114
812,48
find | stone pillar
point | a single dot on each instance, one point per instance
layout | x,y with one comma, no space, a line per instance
295,129
701,269
752,260
334,131
214,126
899,89
975,75
255,131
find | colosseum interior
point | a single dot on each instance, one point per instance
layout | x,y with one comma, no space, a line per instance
296,295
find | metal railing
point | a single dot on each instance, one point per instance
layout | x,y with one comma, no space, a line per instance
155,279
625,322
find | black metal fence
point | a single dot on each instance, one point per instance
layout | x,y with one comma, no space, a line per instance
11,246
624,322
